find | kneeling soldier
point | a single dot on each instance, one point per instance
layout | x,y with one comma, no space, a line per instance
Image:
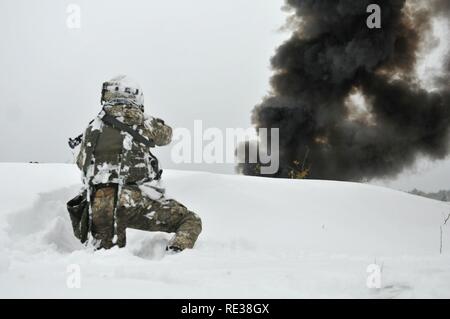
122,176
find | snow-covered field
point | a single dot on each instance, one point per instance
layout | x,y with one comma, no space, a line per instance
263,238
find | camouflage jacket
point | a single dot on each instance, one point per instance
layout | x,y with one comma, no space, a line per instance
108,155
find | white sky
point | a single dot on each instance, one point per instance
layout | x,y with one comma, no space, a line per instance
196,59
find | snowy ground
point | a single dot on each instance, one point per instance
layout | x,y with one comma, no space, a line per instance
263,238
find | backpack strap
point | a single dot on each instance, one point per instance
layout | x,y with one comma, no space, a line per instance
115,123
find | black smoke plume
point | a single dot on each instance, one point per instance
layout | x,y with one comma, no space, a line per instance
333,55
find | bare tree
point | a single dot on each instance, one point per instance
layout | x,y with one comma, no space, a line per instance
441,228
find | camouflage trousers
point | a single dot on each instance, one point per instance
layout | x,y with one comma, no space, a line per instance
113,213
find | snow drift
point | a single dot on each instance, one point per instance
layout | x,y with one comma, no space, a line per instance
262,238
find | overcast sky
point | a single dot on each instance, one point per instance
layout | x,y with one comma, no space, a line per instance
196,59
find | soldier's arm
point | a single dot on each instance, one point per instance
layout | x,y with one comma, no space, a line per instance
85,143
156,130
81,158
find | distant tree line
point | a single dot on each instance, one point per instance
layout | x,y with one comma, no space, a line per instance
442,195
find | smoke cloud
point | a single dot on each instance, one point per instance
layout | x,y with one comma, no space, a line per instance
346,98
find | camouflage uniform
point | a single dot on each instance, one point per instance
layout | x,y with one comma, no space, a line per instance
120,176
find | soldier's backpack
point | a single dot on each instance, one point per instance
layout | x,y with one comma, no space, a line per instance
78,208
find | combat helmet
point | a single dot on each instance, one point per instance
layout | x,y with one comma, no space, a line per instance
122,87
